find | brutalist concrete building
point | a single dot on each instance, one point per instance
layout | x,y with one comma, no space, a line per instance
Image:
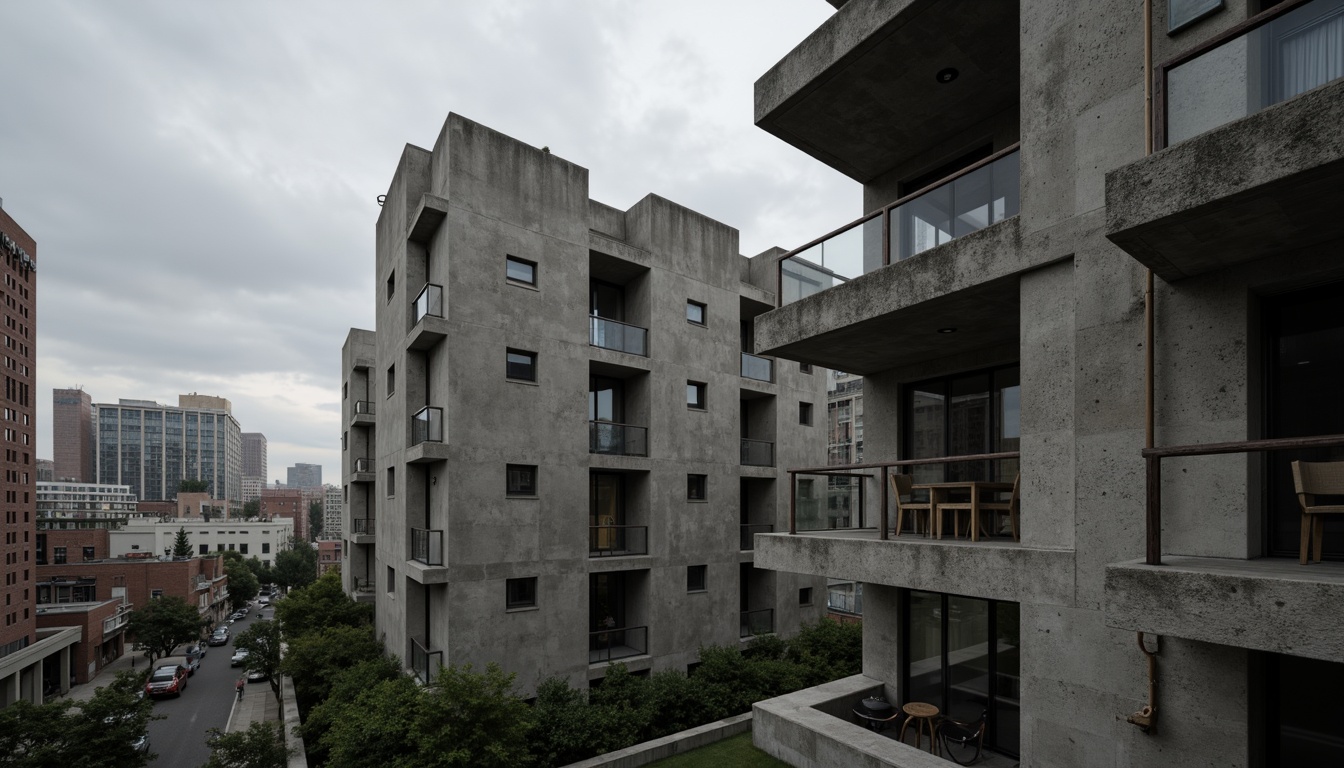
559,446
995,299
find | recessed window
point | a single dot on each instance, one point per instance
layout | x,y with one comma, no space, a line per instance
695,578
521,365
88,553
391,284
345,391
391,379
391,482
695,312
520,270
805,368
522,480
521,593
391,580
805,414
695,395
696,487
265,547
805,596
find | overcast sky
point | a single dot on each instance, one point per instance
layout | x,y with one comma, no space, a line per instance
201,177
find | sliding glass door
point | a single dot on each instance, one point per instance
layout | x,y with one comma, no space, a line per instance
964,415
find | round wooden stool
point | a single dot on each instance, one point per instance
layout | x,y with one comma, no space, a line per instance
922,715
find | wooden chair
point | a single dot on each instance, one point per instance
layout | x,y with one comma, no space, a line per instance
1312,479
902,490
1010,507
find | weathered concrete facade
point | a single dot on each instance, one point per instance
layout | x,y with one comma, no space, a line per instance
492,519
1234,223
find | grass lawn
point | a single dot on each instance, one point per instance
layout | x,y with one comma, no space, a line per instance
736,751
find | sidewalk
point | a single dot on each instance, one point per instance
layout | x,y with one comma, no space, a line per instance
85,692
258,705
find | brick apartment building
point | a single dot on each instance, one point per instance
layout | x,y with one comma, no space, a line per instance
328,555
289,503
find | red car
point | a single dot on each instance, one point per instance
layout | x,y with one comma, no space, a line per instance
167,679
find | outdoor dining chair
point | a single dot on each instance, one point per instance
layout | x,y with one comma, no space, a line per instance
1312,479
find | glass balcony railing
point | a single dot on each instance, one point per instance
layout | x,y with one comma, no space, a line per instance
427,426
427,546
617,540
757,367
971,199
363,465
1282,55
758,453
749,532
361,525
617,439
760,622
425,662
363,407
622,337
617,643
429,302
364,586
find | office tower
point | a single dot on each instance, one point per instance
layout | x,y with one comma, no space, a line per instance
254,455
72,435
153,447
304,476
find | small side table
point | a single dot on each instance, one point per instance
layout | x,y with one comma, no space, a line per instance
922,715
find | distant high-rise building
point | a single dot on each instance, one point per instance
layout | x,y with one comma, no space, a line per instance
332,507
46,470
153,447
304,476
287,503
254,455
253,485
72,434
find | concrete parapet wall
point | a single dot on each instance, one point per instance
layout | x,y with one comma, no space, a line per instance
677,743
290,718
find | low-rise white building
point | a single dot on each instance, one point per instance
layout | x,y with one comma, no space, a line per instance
252,538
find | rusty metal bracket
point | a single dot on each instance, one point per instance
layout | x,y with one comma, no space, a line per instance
1146,717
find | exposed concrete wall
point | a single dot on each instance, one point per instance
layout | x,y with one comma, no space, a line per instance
668,746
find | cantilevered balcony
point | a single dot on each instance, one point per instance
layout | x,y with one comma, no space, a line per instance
428,326
427,437
617,643
611,439
757,453
757,367
362,530
425,662
618,336
755,623
362,415
363,471
618,540
1254,164
364,591
427,546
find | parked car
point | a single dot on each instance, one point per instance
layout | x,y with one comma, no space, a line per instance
237,616
196,651
239,658
220,637
167,679
257,676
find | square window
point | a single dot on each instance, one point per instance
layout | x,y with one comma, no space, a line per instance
521,365
391,482
521,593
58,555
391,379
391,284
520,270
695,312
205,549
695,395
695,578
243,548
522,480
805,414
88,553
805,596
696,487
805,368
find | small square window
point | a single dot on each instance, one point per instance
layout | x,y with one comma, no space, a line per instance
695,395
521,593
695,312
695,578
265,547
805,596
391,482
205,549
805,368
391,379
521,365
805,414
696,487
520,270
391,284
522,480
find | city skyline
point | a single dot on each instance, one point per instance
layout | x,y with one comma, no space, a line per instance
206,171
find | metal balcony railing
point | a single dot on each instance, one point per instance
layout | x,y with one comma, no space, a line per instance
427,545
424,662
361,525
427,426
617,439
757,367
1276,55
749,532
428,303
622,337
363,465
364,585
970,199
758,453
760,622
616,540
617,643
364,408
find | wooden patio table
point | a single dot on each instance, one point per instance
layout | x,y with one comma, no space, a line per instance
940,493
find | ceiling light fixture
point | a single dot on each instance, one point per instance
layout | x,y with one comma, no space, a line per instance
947,330
947,75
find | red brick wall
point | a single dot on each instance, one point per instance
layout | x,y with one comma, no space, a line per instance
18,467
74,543
92,652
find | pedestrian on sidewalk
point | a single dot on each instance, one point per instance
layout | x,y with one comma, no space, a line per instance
242,682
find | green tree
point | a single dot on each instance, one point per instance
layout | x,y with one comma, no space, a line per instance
243,584
252,508
339,704
320,605
262,745
101,731
296,566
182,543
164,624
381,733
315,659
193,486
265,574
315,519
472,719
262,642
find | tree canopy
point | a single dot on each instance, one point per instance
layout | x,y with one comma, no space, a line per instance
315,519
243,584
262,642
101,731
182,543
320,605
192,486
296,566
260,746
315,659
252,508
164,624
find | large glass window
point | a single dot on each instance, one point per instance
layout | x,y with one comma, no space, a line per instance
964,415
1299,724
961,655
